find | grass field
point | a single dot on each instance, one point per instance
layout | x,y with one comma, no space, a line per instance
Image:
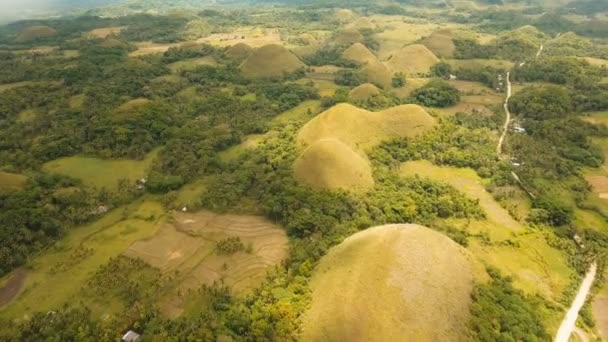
146,48
480,63
11,181
362,24
58,275
269,61
348,37
597,118
414,282
100,173
252,36
516,250
377,73
186,246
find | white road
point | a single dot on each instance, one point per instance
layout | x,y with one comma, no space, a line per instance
508,118
569,322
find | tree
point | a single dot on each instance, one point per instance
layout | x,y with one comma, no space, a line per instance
436,93
398,80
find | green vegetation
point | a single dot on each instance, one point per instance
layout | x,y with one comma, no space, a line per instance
202,174
436,93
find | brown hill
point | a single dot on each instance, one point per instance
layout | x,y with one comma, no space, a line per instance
412,60
331,164
359,54
270,61
239,52
35,32
441,43
364,91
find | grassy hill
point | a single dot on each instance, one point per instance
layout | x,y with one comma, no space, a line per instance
440,43
35,32
239,52
359,54
414,282
331,164
270,61
362,129
412,59
364,91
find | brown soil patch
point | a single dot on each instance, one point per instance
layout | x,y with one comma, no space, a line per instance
12,287
599,184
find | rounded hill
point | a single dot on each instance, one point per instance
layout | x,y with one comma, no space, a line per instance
359,54
364,92
362,129
239,52
401,282
441,43
270,61
412,59
331,164
35,32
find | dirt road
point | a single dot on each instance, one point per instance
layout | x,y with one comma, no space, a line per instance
569,322
507,119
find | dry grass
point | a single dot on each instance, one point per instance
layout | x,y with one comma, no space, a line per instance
345,15
480,63
35,32
239,52
323,73
11,181
147,48
596,61
187,245
9,86
364,91
348,37
337,139
362,24
412,60
398,31
191,64
270,61
331,164
440,43
391,283
359,54
377,73
104,32
253,36
600,312
361,129
523,254
26,116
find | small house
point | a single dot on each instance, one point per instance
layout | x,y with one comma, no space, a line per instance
131,336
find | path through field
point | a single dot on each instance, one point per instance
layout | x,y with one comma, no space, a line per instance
507,119
569,322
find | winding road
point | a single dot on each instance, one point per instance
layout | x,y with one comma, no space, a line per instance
569,322
508,119
568,325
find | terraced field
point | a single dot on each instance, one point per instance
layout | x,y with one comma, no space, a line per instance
186,246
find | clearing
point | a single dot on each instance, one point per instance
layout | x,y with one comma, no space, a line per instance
186,246
101,173
58,275
104,32
414,281
11,181
514,249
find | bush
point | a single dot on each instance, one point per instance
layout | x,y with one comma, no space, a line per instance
436,93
